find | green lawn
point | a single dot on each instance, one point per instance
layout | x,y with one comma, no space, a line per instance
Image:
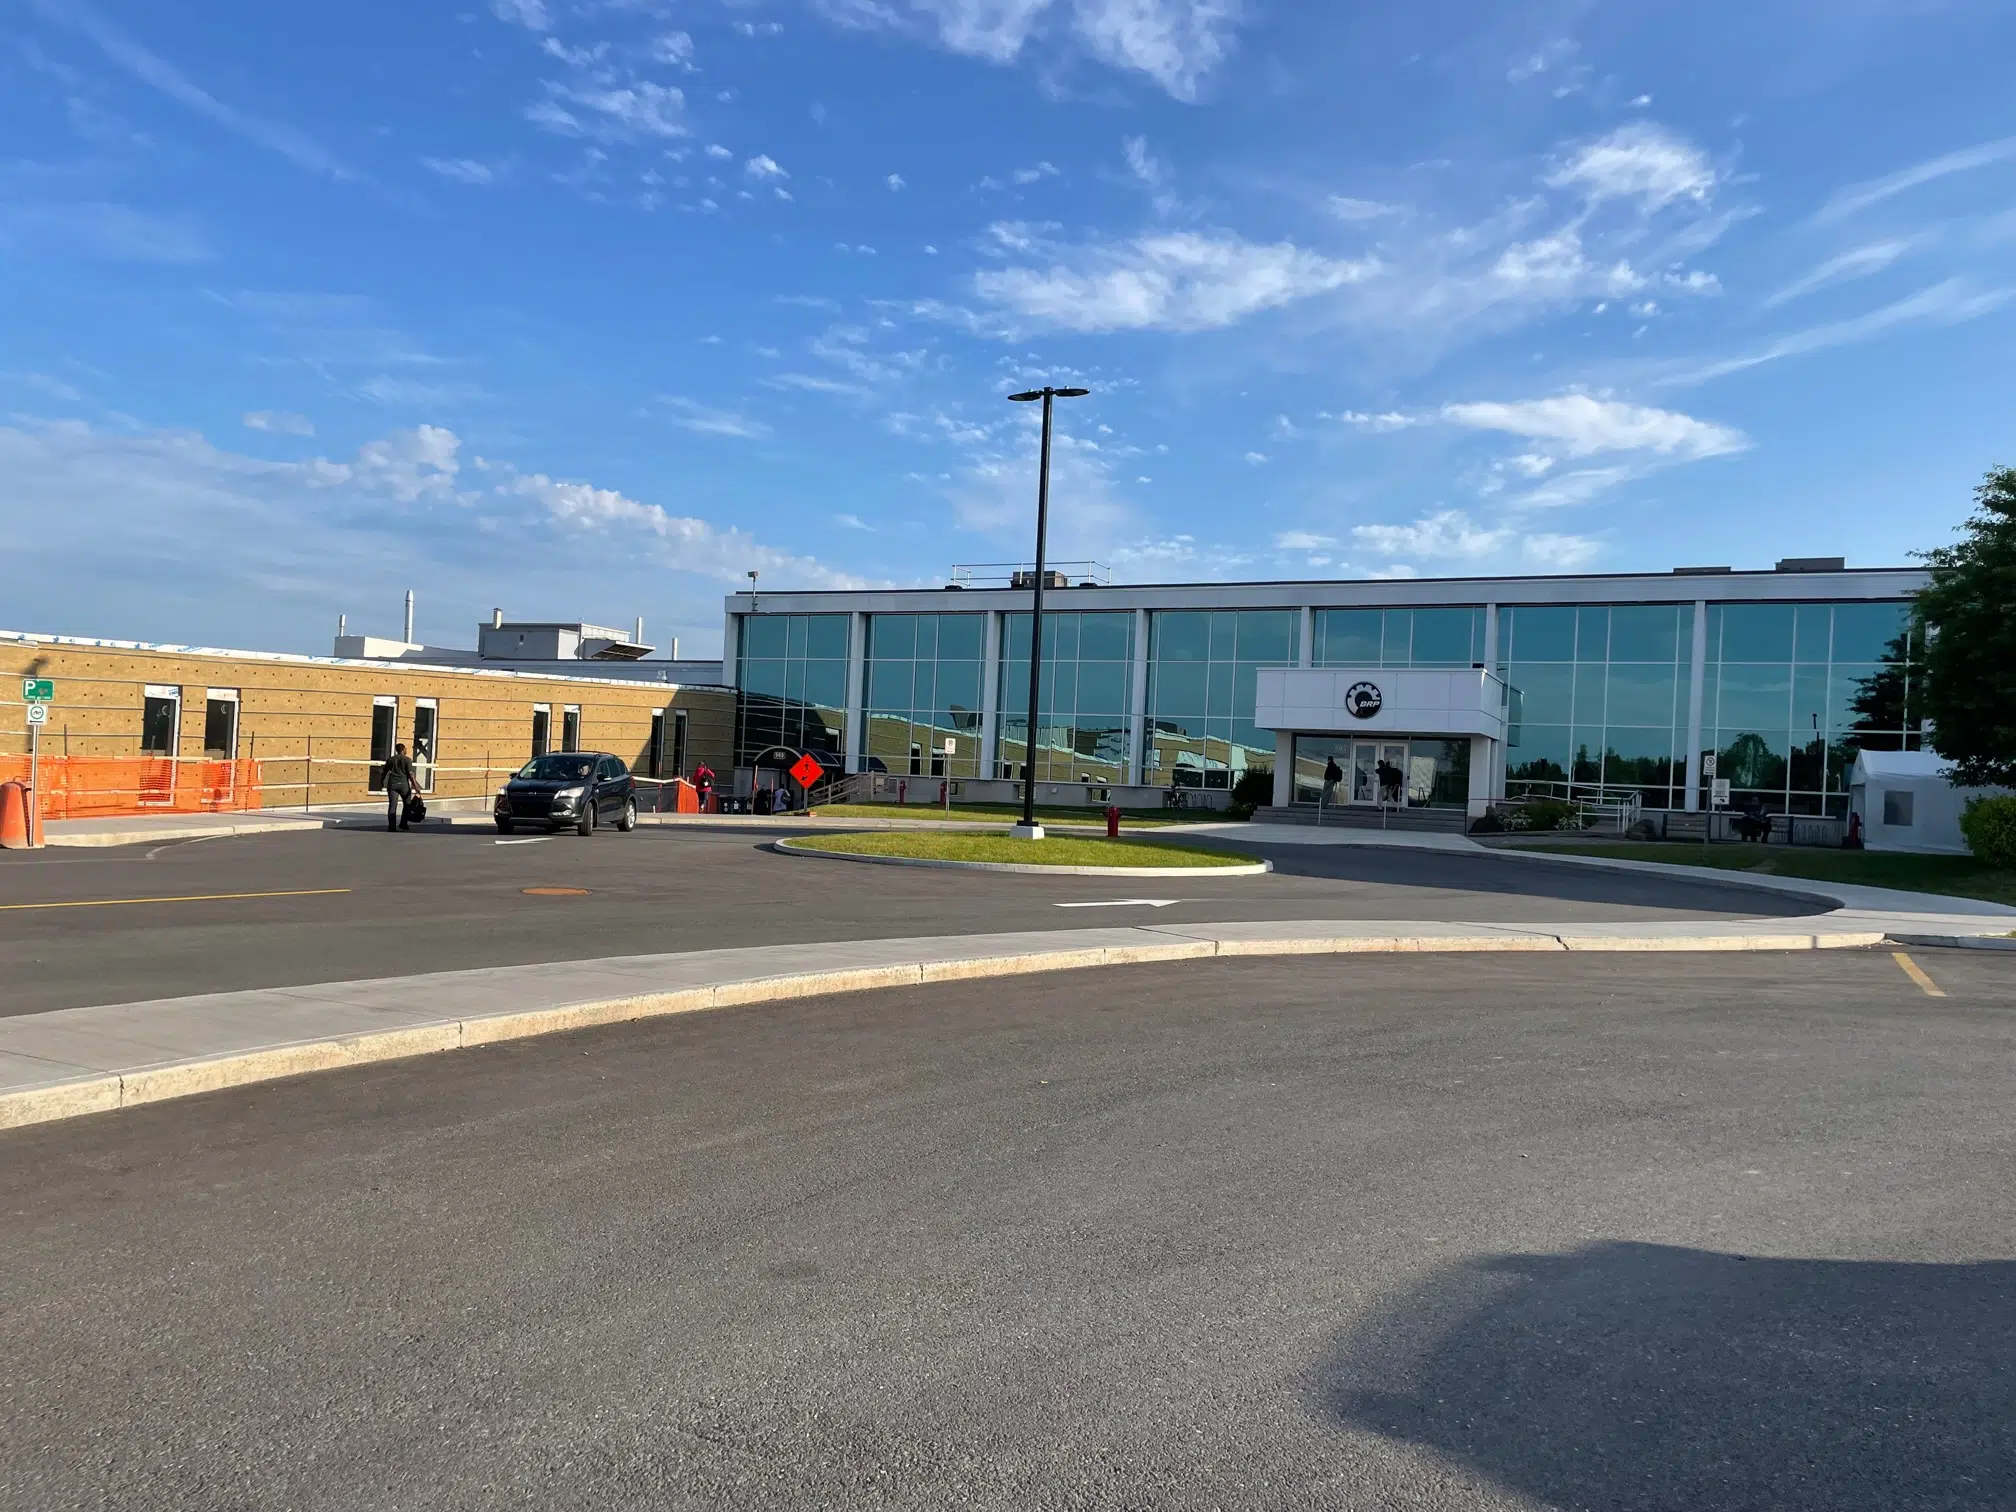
991,812
1961,876
1057,850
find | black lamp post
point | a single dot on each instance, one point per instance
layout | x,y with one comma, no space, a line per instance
1028,828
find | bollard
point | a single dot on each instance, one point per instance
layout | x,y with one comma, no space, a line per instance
1112,821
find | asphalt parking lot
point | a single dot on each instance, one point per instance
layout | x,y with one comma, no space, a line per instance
1482,1232
336,905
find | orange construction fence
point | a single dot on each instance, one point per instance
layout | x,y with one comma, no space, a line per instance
97,787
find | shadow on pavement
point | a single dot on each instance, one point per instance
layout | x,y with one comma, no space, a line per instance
1644,1376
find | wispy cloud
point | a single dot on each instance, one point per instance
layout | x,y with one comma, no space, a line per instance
103,230
1173,281
609,111
690,414
1579,425
461,170
1641,162
1857,263
530,14
1855,197
1952,302
1174,42
1451,535
158,73
280,422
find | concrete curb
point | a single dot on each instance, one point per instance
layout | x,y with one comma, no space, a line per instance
1957,942
77,1061
814,852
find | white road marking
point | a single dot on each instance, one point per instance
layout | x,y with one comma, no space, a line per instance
1129,903
528,840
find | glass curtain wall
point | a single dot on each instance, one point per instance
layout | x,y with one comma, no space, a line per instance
923,689
1203,666
1087,697
792,675
1793,691
1399,637
1599,699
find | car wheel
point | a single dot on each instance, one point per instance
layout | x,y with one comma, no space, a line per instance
629,820
586,824
503,826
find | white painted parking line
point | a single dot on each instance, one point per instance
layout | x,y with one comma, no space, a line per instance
1129,903
528,840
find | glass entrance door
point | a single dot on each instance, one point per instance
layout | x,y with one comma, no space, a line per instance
1379,772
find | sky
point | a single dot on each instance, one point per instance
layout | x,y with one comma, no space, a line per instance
585,309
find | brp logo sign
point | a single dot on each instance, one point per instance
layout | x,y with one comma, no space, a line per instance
1363,700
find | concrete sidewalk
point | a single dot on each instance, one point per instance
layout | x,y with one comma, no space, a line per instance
88,1060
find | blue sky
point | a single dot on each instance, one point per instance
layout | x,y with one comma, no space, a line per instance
587,307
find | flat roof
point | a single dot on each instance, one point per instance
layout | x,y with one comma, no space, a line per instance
377,663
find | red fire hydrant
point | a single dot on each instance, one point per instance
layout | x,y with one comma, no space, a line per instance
1112,821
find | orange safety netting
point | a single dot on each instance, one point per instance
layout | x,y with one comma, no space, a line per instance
96,787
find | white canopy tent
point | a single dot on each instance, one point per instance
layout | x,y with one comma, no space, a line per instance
1907,804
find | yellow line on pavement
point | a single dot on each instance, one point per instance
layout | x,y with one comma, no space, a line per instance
1917,974
306,892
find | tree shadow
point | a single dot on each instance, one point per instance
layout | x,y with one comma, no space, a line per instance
1639,1376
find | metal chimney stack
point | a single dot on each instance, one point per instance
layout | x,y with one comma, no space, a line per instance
638,638
409,616
496,619
342,624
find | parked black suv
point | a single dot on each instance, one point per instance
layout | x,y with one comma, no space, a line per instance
581,788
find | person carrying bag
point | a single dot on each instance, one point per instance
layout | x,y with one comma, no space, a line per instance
402,792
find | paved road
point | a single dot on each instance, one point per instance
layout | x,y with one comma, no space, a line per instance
1380,1232
438,902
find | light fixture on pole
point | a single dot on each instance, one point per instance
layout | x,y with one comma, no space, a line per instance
1029,829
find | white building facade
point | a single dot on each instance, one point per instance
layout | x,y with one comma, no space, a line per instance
1467,688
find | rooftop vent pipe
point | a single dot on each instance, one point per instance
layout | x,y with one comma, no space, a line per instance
638,638
409,616
496,619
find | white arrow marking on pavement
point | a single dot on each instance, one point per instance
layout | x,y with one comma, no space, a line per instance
1129,903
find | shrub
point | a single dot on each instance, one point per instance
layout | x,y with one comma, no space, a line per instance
1254,789
1488,823
1550,814
1990,827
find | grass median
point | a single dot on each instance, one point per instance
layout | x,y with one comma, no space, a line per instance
1958,876
992,812
997,850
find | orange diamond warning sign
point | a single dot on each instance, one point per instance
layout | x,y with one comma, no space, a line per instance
807,771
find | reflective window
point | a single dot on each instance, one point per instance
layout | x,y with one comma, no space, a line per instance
1399,637
923,689
1792,691
1599,699
1086,697
791,671
1203,671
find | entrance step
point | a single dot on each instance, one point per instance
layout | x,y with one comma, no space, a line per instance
1450,821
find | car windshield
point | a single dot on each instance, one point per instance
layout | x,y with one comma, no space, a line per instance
559,768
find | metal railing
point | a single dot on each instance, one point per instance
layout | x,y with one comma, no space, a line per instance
1002,574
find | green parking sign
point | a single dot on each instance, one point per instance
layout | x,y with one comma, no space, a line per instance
38,689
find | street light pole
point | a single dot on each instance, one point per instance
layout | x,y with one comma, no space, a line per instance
1029,829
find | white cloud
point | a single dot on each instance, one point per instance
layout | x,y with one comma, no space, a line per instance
1859,262
673,49
1391,420
1256,459
719,153
530,14
895,182
690,414
763,167
281,422
1854,197
1303,540
1173,42
1174,281
1451,535
851,522
1580,425
1034,175
1641,162
461,170
611,112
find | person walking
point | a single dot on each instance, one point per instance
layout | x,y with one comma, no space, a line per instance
400,785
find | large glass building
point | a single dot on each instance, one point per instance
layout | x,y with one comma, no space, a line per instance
1432,693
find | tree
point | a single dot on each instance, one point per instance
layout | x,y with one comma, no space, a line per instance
1881,705
1969,615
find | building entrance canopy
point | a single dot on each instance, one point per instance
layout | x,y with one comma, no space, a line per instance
1381,700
